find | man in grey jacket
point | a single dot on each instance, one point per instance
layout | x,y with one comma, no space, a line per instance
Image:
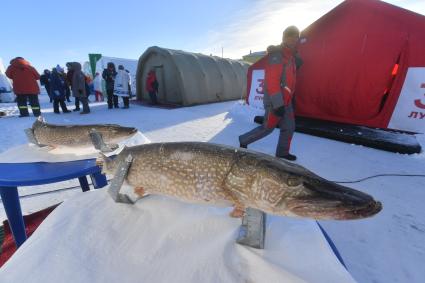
279,79
79,86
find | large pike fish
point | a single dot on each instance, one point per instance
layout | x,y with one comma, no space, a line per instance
217,174
43,134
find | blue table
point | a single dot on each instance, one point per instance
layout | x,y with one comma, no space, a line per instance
14,175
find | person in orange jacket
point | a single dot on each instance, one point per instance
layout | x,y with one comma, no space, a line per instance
280,78
25,85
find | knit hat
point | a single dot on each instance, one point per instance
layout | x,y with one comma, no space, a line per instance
291,31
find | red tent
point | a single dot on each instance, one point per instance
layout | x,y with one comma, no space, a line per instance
364,64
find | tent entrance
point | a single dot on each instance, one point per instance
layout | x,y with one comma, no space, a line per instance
162,93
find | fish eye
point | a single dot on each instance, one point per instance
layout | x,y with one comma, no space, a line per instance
293,181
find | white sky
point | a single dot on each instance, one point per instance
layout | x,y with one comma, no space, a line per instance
261,24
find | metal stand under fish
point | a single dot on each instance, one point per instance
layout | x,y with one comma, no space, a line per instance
253,229
253,183
118,180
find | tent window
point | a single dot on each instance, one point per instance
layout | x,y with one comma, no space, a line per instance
390,85
395,69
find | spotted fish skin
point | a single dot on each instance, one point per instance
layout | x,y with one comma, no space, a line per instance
78,135
218,174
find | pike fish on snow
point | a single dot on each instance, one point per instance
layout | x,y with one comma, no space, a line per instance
78,136
219,174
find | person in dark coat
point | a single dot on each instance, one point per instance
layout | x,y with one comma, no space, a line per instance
109,76
79,87
45,81
129,85
62,73
57,90
69,76
25,85
152,86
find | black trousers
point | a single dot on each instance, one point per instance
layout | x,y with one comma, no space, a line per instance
77,103
112,99
126,101
85,102
152,95
22,101
67,93
61,102
48,92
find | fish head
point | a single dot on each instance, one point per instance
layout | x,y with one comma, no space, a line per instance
295,191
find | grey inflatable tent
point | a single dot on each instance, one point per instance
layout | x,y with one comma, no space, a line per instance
187,78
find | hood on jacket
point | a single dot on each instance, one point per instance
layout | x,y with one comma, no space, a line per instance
20,62
274,48
280,48
110,65
76,66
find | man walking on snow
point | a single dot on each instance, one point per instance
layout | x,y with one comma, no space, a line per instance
279,78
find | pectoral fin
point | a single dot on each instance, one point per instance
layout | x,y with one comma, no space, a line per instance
98,142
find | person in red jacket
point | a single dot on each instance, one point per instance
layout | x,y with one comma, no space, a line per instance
25,85
280,78
152,86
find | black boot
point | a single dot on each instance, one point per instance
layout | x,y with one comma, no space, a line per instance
289,157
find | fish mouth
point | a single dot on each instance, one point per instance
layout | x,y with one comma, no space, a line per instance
332,201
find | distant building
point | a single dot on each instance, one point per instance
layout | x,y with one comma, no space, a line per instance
253,57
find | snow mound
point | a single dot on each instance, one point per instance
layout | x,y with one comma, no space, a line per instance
89,238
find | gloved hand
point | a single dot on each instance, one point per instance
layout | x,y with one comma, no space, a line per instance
80,91
280,111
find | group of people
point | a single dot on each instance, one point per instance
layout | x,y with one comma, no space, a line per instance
59,86
118,84
280,77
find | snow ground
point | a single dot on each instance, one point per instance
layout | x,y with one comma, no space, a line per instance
386,248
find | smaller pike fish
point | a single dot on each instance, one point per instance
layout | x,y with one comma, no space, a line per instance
219,174
44,134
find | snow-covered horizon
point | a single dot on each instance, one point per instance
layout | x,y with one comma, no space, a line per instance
388,247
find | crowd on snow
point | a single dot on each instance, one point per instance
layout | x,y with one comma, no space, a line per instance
59,85
281,64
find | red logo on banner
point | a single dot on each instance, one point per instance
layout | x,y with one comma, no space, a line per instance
418,102
260,88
